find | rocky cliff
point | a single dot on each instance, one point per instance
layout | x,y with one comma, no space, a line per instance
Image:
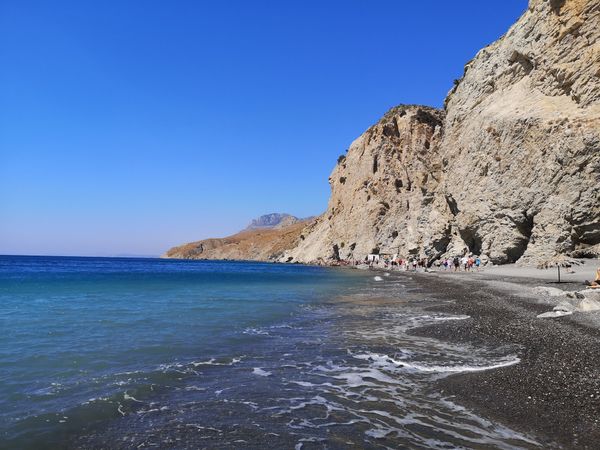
510,169
385,192
522,137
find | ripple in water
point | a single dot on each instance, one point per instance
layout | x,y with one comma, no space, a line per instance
345,375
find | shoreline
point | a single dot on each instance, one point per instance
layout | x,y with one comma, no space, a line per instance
553,393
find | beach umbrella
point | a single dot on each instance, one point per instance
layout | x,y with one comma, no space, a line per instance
557,261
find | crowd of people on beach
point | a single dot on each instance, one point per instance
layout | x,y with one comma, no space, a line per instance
465,263
468,262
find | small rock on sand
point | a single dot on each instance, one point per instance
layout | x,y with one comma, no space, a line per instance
553,314
564,307
588,304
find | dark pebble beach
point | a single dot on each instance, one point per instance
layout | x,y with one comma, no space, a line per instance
554,391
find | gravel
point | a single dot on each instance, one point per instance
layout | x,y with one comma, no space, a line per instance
554,392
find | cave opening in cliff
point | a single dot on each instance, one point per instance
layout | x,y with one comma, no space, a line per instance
519,247
472,239
452,204
336,252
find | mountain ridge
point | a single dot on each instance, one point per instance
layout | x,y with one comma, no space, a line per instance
272,220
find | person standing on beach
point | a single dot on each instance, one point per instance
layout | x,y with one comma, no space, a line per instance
456,263
464,262
596,282
477,263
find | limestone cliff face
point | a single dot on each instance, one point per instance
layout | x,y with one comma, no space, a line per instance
385,192
512,170
522,137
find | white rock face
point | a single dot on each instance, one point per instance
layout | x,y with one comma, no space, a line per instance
522,137
384,192
510,169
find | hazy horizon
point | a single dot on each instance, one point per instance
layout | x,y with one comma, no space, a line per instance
130,128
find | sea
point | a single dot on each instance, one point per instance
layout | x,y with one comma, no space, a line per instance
148,353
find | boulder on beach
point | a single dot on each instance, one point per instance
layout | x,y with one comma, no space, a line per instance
578,301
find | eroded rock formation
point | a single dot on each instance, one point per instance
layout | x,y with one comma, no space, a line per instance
385,193
522,137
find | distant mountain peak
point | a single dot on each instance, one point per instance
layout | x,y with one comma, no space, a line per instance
272,220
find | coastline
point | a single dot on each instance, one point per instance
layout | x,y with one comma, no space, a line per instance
554,391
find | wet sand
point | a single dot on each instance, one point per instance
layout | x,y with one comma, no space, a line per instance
554,392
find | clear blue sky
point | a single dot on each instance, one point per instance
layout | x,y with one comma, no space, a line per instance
127,127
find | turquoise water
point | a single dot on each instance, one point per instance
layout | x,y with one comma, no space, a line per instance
124,353
72,326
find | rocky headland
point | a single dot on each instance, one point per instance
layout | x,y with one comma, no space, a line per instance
264,239
508,169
